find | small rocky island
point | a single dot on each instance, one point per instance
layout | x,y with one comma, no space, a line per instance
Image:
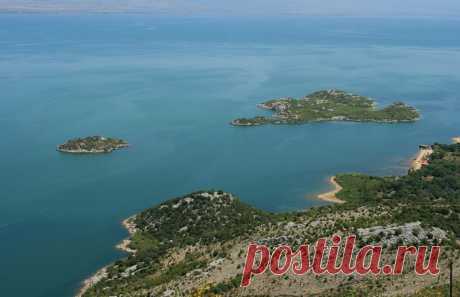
92,145
330,105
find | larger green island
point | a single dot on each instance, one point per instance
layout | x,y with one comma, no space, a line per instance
195,245
330,105
92,145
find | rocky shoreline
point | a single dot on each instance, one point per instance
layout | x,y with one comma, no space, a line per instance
130,226
92,145
90,151
91,281
279,121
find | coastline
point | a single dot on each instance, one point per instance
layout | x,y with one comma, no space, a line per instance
92,280
130,226
421,158
94,151
330,196
282,121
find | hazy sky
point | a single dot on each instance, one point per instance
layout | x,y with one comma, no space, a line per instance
248,7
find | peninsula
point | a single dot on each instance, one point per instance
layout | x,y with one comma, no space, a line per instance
92,145
195,245
330,105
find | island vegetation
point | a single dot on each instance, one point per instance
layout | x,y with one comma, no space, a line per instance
195,245
330,105
92,145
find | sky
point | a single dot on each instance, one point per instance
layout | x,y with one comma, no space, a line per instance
449,8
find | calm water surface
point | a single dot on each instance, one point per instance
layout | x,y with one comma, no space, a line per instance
170,86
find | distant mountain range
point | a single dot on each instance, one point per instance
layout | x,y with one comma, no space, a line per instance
241,7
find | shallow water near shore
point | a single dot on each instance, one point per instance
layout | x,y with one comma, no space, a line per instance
170,87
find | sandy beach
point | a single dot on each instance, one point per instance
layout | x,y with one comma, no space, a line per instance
331,195
421,158
456,139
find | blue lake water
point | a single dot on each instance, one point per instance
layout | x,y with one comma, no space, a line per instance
170,86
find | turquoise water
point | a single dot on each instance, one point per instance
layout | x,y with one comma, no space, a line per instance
170,86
